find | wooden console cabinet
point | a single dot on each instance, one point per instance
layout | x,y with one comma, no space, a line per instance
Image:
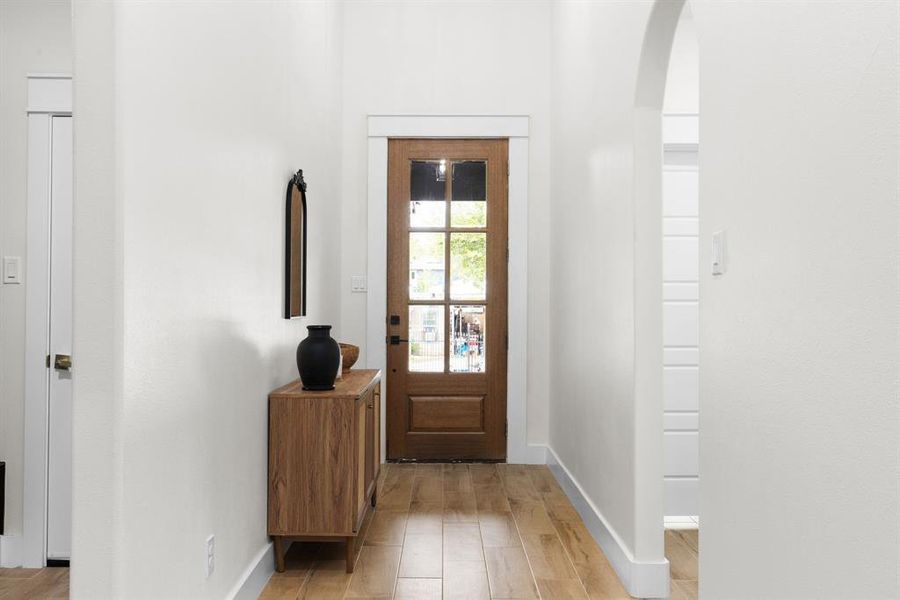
324,458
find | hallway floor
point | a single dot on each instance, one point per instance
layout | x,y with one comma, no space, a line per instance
458,531
682,550
446,531
51,583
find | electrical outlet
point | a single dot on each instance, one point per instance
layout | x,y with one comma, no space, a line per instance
210,555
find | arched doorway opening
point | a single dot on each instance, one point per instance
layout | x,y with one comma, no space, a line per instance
666,179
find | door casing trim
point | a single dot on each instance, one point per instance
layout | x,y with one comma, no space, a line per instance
49,95
516,128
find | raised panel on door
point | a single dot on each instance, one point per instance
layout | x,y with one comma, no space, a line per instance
682,496
682,453
681,324
447,299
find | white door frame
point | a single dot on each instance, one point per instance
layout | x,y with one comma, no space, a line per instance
48,96
514,127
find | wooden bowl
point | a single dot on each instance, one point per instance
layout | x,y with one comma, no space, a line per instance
350,354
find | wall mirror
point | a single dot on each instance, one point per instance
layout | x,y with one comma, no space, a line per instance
295,248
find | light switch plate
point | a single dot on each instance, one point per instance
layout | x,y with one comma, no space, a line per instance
12,269
210,555
718,253
358,283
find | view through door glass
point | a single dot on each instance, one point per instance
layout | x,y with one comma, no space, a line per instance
447,302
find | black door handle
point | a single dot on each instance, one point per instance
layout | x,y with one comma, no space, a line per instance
395,340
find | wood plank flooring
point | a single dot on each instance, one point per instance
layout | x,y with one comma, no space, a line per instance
27,584
446,532
682,550
466,531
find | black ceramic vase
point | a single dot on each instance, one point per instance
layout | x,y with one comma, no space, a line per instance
318,358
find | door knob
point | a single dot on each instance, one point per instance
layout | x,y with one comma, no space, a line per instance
395,340
62,362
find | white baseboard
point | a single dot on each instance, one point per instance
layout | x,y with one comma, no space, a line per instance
642,579
530,454
10,551
255,576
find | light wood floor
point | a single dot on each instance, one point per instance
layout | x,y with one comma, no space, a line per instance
459,531
682,550
43,584
451,531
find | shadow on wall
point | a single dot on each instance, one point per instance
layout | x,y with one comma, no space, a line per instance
203,432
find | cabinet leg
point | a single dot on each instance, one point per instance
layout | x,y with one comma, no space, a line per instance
374,495
279,553
351,546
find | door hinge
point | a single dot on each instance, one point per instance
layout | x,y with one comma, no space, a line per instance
506,428
48,361
507,255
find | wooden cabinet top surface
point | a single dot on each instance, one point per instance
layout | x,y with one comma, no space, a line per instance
351,385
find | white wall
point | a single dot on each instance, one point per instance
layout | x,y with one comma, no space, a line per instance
450,58
682,95
799,384
214,107
799,338
35,37
592,415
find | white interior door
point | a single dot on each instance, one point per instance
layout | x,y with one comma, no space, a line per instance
681,314
59,429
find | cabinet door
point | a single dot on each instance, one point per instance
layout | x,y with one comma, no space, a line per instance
312,456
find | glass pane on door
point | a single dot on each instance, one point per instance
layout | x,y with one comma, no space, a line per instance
426,266
467,329
427,193
468,266
426,338
468,207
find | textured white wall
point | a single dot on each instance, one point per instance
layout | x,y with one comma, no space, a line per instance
799,380
35,37
597,47
487,58
682,95
799,340
215,106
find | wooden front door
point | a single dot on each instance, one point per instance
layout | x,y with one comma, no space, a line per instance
447,299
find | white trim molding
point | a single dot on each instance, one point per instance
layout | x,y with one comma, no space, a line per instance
448,126
515,127
255,577
641,579
48,96
49,93
10,551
